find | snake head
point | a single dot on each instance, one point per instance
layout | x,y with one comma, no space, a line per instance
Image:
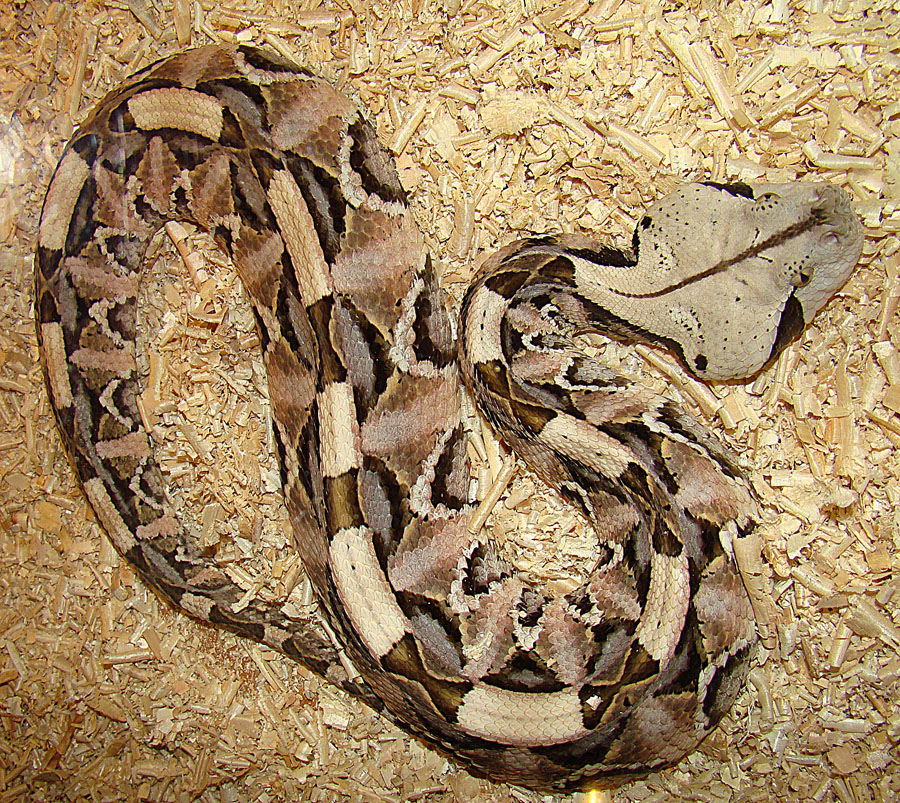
727,275
813,234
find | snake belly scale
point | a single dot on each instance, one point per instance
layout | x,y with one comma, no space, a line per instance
593,687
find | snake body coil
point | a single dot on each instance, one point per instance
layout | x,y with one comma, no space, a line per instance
619,677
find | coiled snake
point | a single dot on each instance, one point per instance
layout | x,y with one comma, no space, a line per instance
621,676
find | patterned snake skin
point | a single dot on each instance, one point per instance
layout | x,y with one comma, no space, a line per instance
619,677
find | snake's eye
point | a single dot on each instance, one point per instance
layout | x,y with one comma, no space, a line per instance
804,277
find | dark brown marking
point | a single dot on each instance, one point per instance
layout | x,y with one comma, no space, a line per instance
342,502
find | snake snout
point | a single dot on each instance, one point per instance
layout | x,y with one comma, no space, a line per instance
834,246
